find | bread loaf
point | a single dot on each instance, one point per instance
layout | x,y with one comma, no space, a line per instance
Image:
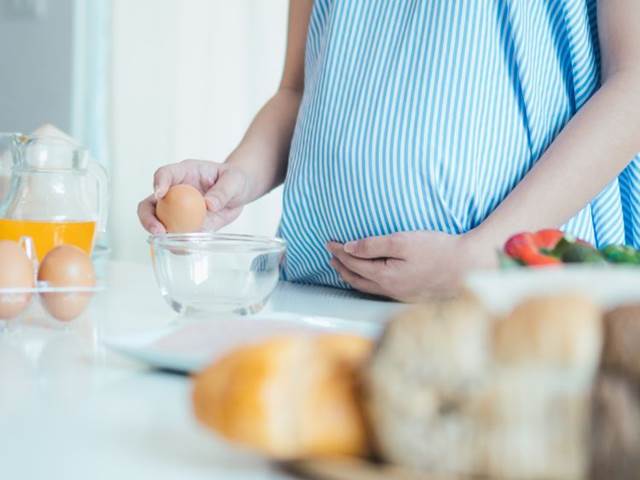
615,447
621,351
451,390
289,397
615,440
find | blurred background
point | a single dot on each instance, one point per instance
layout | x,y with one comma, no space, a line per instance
143,83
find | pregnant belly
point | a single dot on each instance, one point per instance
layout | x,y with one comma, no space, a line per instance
343,195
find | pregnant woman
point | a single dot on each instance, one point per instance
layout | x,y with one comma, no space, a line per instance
414,136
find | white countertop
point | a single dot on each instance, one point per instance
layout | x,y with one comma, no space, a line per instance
69,409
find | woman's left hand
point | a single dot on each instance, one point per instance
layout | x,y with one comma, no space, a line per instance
409,266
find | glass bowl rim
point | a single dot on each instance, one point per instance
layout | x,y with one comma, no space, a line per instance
208,241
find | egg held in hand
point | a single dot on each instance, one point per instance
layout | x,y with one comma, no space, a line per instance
16,271
182,209
66,266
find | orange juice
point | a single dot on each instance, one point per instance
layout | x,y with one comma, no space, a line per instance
47,235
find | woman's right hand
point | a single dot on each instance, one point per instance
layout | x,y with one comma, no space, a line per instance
224,187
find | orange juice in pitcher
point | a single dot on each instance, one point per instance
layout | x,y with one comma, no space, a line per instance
57,194
47,235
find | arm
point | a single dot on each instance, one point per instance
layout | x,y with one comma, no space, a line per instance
593,148
263,152
259,162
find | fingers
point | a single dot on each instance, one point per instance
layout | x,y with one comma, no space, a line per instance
228,187
167,176
367,268
147,216
198,173
355,280
386,246
215,221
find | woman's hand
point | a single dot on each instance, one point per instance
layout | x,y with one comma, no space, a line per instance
225,189
410,266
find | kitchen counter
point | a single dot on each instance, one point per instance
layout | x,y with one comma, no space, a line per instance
70,409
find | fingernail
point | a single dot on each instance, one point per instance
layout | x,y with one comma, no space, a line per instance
350,247
155,230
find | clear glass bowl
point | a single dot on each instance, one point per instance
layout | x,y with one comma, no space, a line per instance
211,273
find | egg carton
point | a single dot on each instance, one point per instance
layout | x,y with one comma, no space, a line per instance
45,304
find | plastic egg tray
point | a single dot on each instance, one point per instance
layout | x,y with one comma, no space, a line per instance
54,305
43,301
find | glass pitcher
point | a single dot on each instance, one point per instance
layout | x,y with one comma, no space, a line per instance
52,191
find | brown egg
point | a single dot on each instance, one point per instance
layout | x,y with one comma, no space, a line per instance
16,271
66,266
182,210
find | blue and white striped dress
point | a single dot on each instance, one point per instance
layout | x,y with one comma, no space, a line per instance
424,114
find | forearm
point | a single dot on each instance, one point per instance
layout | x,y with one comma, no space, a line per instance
263,152
591,150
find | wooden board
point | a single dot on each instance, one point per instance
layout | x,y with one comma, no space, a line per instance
353,469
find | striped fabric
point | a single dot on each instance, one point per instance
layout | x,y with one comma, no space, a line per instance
424,114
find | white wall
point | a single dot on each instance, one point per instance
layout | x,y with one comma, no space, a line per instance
187,77
36,57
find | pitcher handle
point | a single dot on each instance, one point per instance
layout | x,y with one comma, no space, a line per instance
16,140
98,172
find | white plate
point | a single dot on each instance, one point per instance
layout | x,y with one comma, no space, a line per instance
192,346
607,286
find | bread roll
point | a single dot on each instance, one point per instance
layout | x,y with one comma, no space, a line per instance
558,331
420,385
615,450
535,426
450,390
442,341
621,350
289,397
